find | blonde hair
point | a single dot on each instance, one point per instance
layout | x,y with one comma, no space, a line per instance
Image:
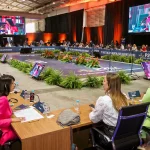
114,89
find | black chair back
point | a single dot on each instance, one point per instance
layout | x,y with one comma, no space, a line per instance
127,132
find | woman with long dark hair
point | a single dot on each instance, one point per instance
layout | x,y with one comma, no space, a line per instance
7,133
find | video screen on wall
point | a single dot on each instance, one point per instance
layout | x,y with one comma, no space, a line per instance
139,19
12,25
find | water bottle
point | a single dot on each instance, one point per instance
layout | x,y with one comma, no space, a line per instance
78,106
16,87
32,96
26,95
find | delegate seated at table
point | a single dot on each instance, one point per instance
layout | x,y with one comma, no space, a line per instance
108,106
7,133
146,124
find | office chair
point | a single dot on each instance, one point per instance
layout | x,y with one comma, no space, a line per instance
126,135
11,145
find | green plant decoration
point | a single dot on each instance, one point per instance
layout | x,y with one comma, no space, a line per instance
72,81
125,78
46,73
93,82
55,78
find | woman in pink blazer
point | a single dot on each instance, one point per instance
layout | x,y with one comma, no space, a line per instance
7,133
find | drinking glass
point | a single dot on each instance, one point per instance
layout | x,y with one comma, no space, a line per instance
46,109
27,95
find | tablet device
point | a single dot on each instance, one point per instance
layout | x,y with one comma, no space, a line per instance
36,70
134,94
3,58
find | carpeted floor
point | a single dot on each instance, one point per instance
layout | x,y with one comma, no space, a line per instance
79,70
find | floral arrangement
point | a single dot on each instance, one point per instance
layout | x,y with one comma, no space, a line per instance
60,56
48,54
93,62
65,57
81,60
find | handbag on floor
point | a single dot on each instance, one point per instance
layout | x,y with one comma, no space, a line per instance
68,117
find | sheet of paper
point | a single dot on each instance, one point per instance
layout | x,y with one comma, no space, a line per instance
29,114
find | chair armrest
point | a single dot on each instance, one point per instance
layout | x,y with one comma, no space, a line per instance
11,142
102,133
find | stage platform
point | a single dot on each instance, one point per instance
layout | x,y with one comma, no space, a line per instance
66,68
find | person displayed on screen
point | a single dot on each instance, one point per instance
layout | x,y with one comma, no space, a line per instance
11,29
7,85
37,70
143,26
148,20
34,69
108,106
7,28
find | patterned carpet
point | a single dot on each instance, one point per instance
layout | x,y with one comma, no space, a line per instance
66,68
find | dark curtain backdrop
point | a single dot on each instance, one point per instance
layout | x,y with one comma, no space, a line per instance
113,22
94,34
76,24
57,24
69,23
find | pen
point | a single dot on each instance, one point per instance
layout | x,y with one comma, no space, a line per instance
33,121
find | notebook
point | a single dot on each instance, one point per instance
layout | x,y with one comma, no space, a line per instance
22,106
